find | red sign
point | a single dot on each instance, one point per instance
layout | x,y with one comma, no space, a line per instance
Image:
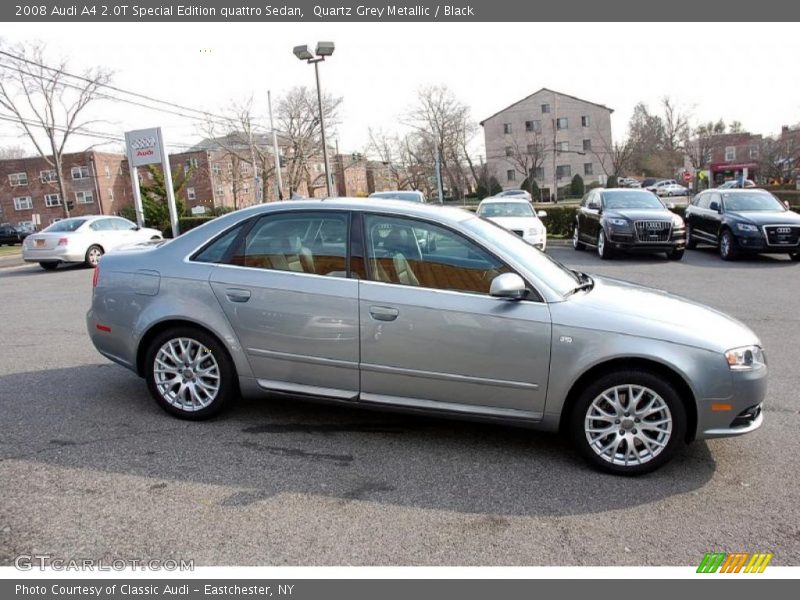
687,177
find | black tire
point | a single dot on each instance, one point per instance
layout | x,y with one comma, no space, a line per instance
675,254
691,243
49,266
795,257
93,255
634,377
228,386
577,244
727,246
604,251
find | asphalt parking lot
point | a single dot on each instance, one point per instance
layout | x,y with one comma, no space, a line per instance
91,467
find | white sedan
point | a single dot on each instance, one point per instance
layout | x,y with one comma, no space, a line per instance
83,240
516,215
672,189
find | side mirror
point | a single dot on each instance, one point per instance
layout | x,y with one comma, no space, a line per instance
541,214
714,206
508,285
593,206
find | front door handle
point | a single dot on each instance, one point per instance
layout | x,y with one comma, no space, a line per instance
237,294
383,313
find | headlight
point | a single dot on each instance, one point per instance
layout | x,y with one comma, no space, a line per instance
677,222
745,358
618,222
746,227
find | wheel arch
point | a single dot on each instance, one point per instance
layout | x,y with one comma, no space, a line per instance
685,392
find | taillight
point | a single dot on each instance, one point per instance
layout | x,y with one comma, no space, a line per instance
95,276
63,241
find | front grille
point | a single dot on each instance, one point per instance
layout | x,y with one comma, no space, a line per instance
519,232
653,231
782,235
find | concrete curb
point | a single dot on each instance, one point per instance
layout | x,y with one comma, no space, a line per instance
11,261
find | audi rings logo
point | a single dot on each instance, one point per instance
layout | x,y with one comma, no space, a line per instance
143,143
784,230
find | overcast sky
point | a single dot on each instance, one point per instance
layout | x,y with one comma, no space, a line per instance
744,72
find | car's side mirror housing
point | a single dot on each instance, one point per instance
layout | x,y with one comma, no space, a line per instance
541,214
714,206
508,285
593,206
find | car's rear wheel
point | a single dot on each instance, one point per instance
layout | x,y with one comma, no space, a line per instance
691,243
727,246
628,422
93,255
675,254
577,244
49,266
189,373
604,251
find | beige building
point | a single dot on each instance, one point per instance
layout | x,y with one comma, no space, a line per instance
552,136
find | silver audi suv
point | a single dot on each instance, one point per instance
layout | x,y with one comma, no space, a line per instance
427,309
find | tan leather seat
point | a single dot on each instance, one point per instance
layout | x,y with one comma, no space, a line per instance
283,254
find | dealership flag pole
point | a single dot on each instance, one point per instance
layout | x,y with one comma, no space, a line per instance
173,211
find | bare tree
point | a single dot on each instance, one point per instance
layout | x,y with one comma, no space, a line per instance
389,149
46,103
700,142
527,153
778,158
675,129
297,114
7,152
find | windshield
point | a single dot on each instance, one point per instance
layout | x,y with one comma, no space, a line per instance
513,193
557,276
65,225
752,201
505,209
409,196
631,199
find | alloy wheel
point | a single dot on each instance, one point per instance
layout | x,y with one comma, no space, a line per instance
186,374
93,256
628,425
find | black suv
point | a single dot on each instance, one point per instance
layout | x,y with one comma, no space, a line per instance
742,221
11,235
614,220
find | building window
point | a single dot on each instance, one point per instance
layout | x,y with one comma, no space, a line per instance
506,127
753,152
110,195
545,108
16,179
562,123
48,176
23,203
563,171
730,153
586,121
52,199
587,145
511,175
80,172
563,146
191,163
216,170
220,191
535,126
509,151
534,149
108,172
246,189
84,197
588,169
190,194
538,173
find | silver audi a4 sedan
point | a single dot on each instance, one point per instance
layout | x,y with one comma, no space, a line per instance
426,309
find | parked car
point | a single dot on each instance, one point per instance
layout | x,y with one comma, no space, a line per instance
83,240
517,215
11,235
629,182
623,220
736,183
649,181
742,221
334,299
514,193
654,187
672,189
407,195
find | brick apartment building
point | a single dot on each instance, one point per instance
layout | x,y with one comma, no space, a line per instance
95,182
732,153
565,135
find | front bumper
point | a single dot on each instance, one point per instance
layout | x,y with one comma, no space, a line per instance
756,243
739,414
626,241
539,240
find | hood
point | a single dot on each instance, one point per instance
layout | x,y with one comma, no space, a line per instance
639,214
767,217
640,311
519,223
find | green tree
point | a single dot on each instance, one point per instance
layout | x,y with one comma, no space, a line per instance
154,196
576,188
494,186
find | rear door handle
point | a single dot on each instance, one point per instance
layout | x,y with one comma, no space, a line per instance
237,294
383,313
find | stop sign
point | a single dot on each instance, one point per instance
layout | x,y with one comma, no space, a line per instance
687,177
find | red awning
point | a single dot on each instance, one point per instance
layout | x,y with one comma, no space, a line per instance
715,167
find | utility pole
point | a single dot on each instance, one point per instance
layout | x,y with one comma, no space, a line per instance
555,148
278,178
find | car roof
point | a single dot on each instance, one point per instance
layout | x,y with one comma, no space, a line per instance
505,200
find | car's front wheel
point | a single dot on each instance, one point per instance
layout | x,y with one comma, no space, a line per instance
93,255
189,373
727,246
604,251
577,244
628,422
691,243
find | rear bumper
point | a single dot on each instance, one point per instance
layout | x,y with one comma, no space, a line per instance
57,254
